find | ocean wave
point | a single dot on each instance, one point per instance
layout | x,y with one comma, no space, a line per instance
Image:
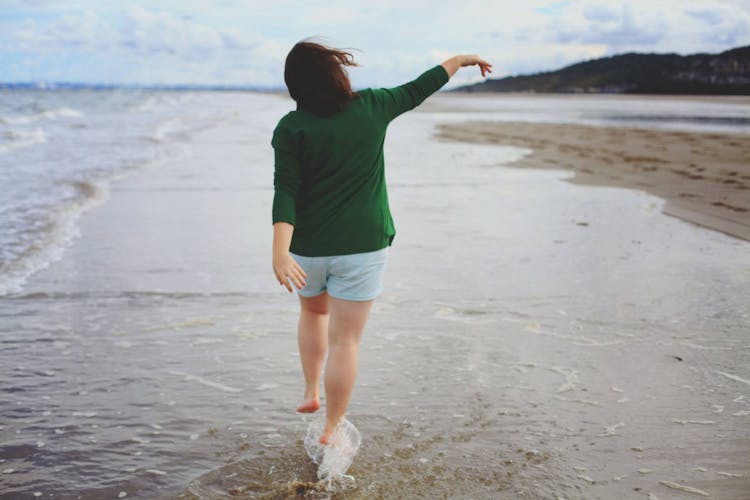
167,128
48,114
57,231
14,139
34,245
154,103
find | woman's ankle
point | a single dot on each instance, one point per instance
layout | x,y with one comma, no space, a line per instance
312,392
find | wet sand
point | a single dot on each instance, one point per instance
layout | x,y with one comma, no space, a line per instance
704,177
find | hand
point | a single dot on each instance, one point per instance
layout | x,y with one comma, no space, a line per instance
287,269
473,59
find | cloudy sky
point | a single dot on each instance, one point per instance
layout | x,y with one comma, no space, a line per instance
245,41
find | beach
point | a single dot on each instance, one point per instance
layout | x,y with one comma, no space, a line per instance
547,328
704,177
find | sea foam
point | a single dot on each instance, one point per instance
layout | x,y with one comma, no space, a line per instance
48,114
13,139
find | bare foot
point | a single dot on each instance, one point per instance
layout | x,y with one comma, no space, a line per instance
326,438
309,406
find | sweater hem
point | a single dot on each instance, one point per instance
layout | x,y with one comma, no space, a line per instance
329,252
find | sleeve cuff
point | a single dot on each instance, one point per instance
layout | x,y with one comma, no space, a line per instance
442,73
284,207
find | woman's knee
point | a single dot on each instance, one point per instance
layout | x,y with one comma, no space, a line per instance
315,305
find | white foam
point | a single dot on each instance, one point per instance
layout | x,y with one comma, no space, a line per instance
14,139
204,341
49,114
571,377
729,474
333,460
610,431
682,487
580,400
205,382
167,128
87,414
733,377
706,348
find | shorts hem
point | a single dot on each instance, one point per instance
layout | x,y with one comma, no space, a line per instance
309,295
358,298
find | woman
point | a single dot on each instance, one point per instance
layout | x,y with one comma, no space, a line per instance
332,224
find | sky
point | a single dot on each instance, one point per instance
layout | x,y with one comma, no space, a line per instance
245,42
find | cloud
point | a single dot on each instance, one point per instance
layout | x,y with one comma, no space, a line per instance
155,44
146,31
84,31
626,26
222,41
600,13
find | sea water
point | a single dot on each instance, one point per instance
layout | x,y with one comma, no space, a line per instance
60,149
333,459
535,338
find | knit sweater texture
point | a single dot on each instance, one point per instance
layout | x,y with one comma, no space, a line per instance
329,172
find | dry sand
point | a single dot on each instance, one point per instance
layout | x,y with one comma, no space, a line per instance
704,177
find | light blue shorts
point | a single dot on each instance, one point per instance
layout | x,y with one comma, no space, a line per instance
356,276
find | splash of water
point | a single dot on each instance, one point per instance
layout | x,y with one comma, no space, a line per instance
333,460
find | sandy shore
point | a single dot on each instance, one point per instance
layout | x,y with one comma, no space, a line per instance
524,346
704,177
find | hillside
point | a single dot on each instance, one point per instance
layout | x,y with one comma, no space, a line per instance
727,73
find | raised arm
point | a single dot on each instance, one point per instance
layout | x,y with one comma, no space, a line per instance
398,100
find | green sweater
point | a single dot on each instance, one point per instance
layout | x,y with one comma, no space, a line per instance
329,177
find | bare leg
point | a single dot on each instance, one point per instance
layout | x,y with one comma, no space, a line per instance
312,337
347,321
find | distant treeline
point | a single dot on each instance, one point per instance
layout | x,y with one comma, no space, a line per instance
727,73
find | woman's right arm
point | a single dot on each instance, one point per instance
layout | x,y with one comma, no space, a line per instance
285,267
286,180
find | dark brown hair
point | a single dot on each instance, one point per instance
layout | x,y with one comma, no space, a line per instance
317,79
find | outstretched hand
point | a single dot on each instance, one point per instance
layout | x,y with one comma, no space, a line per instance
475,60
454,63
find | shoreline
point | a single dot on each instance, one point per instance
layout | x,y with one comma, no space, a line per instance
704,178
585,95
